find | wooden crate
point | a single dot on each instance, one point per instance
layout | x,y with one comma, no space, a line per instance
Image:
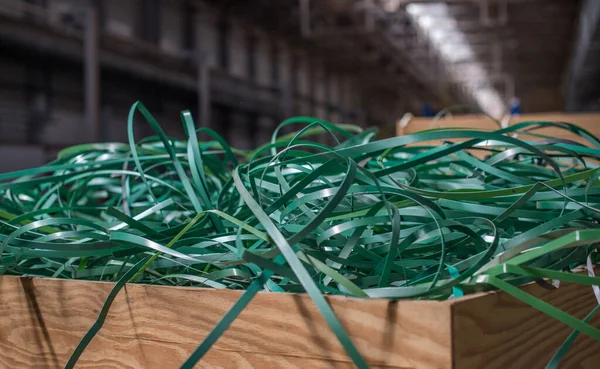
589,121
42,320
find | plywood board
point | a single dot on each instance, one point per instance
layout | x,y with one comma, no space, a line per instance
497,331
590,122
42,321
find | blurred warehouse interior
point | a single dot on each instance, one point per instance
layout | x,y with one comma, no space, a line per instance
70,69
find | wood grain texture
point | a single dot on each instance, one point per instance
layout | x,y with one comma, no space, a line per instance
590,122
417,124
497,331
158,327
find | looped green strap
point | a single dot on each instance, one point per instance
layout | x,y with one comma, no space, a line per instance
396,218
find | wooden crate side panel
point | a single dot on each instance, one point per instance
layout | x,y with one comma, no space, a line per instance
497,331
590,122
467,121
158,327
116,352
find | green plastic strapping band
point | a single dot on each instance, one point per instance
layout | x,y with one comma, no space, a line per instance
397,218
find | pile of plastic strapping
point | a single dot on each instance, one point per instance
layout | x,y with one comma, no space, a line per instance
397,218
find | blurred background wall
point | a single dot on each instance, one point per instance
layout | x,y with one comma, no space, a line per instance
70,69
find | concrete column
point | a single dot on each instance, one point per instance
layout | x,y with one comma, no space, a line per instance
305,18
239,135
203,90
581,58
342,94
91,74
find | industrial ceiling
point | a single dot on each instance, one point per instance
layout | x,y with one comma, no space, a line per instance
488,52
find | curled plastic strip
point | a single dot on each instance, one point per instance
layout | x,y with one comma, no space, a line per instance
397,218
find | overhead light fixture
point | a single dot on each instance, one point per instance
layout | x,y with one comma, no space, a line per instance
442,32
391,5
